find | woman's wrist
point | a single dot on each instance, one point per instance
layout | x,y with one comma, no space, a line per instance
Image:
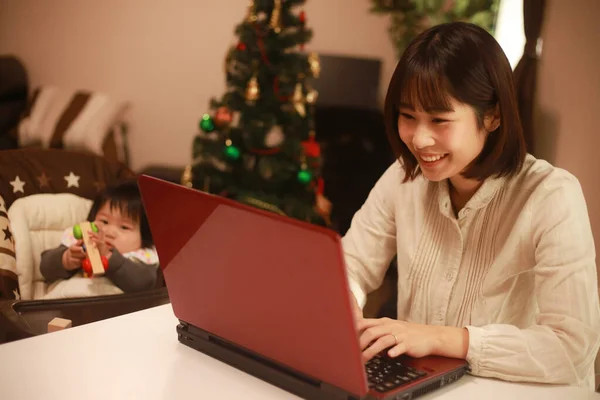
452,342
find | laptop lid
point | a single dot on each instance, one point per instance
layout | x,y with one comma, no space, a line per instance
271,284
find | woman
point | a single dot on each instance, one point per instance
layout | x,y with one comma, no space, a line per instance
495,254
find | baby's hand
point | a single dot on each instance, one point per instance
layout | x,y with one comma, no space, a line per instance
97,239
73,256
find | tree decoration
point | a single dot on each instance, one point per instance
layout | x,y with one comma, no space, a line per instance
253,91
231,152
276,17
223,117
298,100
315,64
206,123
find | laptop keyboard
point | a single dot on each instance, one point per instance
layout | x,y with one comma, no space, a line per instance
385,373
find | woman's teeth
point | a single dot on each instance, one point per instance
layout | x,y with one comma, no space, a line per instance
433,158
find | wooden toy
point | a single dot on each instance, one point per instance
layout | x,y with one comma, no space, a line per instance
58,324
93,264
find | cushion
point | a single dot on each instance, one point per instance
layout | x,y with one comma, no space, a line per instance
8,268
38,223
70,119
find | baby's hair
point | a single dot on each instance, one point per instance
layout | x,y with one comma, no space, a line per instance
125,196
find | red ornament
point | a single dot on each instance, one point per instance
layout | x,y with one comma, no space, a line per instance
320,186
303,22
241,46
311,147
223,116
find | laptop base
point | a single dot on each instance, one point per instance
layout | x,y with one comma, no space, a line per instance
290,380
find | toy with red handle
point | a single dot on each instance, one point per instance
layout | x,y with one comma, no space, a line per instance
94,264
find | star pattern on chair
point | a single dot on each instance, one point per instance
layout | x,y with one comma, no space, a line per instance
17,185
8,235
72,180
44,180
99,186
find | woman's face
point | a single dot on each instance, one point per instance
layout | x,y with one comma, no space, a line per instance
444,142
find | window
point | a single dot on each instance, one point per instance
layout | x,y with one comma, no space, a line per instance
509,29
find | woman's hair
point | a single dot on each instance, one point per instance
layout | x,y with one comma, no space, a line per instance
462,61
125,196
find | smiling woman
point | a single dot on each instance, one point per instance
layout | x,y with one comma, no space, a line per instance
495,255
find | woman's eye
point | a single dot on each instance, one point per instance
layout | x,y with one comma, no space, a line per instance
103,221
125,228
439,120
406,116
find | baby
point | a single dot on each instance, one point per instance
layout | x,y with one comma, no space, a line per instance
123,238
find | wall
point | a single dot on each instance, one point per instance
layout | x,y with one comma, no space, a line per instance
165,57
569,96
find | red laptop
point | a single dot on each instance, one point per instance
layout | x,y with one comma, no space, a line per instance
268,294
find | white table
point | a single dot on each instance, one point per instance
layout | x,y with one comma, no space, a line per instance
138,356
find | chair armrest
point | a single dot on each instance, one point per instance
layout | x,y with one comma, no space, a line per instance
9,284
12,325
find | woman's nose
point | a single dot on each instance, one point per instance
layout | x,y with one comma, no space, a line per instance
422,138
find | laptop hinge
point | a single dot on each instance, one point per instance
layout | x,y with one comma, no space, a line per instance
259,366
336,392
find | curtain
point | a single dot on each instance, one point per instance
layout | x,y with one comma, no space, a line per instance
526,71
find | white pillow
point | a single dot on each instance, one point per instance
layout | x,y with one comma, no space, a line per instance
71,119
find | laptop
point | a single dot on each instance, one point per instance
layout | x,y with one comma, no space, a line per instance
269,295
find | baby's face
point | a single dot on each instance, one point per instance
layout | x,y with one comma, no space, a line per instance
120,232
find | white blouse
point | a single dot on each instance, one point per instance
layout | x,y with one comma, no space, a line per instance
516,268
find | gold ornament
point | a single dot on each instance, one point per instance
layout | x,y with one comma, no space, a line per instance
323,207
252,90
298,100
275,22
311,96
252,12
315,64
187,176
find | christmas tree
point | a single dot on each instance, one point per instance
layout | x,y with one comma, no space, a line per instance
256,144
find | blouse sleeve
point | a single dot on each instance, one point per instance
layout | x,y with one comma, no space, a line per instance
370,243
561,347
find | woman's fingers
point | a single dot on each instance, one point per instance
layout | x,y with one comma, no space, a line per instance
373,333
398,349
367,323
378,346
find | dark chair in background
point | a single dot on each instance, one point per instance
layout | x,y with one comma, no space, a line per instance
14,91
350,128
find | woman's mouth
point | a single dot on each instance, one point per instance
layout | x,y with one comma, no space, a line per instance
431,160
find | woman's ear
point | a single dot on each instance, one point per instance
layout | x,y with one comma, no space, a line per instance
491,119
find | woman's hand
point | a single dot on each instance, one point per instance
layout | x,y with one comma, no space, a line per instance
73,256
415,340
